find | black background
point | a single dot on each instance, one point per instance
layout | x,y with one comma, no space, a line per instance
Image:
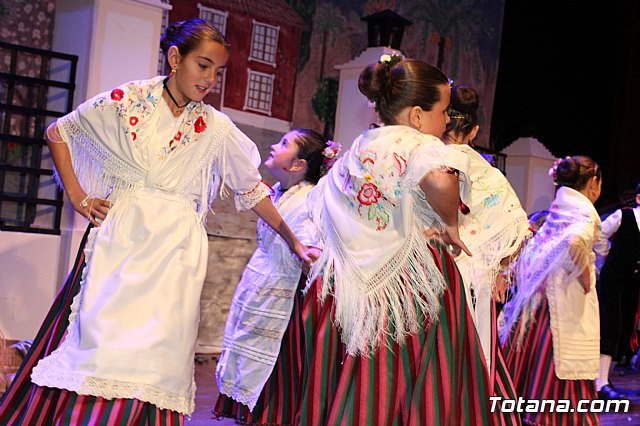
569,74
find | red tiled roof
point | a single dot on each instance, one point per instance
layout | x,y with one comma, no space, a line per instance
277,11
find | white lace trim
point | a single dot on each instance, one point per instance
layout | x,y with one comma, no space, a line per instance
111,389
98,170
243,396
45,373
248,200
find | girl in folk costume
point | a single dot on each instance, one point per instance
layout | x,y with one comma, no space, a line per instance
552,331
265,296
494,230
143,163
386,330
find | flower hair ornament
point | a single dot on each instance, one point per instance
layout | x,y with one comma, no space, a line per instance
388,60
330,156
553,171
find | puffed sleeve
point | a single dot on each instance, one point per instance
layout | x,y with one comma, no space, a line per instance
241,175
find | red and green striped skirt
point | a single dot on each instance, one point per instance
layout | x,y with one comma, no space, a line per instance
534,375
436,377
25,403
501,383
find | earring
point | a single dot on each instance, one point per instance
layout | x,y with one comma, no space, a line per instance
173,72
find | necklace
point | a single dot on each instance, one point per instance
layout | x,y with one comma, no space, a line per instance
164,83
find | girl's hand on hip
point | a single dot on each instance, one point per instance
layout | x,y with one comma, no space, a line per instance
93,208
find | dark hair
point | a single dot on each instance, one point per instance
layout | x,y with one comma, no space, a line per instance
393,86
188,35
311,144
463,110
574,172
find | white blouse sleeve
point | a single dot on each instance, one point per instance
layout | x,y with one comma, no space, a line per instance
608,227
241,174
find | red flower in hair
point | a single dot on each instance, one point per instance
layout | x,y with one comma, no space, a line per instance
368,194
117,94
200,125
133,120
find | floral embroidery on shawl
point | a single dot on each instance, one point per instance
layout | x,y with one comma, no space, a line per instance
190,129
374,199
134,103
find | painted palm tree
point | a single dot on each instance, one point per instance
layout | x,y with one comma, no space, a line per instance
461,23
328,24
306,9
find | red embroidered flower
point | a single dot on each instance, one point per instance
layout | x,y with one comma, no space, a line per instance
200,125
400,163
368,194
117,94
133,135
133,120
178,135
368,157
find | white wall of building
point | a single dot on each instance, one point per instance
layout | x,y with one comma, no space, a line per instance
527,169
353,112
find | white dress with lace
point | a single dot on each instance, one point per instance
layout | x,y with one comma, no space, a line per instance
134,323
263,301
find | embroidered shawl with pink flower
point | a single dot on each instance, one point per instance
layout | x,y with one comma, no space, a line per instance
371,213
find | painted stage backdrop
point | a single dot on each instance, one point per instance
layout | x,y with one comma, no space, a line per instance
282,71
282,75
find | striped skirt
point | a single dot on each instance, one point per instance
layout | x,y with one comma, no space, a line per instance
534,375
436,377
500,381
25,403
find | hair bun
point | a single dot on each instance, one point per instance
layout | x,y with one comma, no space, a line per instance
374,81
568,171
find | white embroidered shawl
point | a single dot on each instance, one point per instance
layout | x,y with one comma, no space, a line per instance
371,214
495,227
107,129
546,268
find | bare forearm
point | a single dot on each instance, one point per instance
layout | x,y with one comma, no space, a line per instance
441,191
62,160
267,212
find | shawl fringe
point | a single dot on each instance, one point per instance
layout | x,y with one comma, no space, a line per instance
480,271
99,172
369,310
